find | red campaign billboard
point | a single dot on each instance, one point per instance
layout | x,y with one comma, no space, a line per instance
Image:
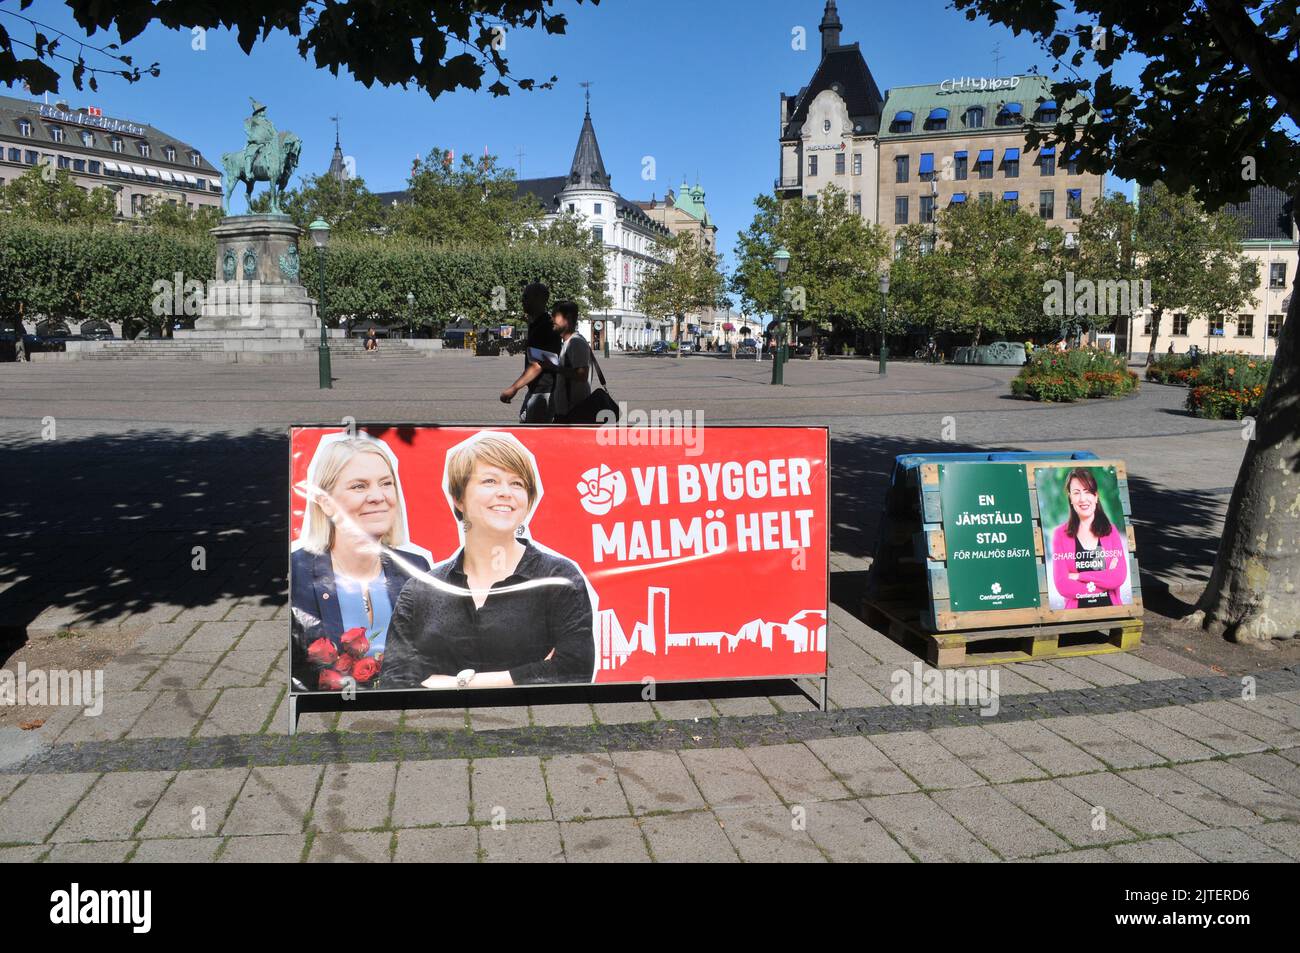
466,557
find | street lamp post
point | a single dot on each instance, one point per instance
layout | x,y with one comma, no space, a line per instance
410,314
781,259
320,237
884,348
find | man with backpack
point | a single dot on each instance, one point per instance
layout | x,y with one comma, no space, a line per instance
573,378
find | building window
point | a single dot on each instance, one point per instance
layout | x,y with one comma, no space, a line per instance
15,155
117,144
24,127
1277,275
975,117
900,210
1047,204
1047,164
597,206
1275,325
87,138
900,245
925,171
1072,163
1150,327
839,163
56,133
1245,325
194,159
1047,112
959,166
598,233
93,166
984,164
137,204
203,184
857,163
926,244
1180,325
986,198
1011,167
901,168
65,162
902,123
1009,115
812,166
571,208
30,157
144,149
857,202
1012,197
170,153
1216,326
927,208
1073,203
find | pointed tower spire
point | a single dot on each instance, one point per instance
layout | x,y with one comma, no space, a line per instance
338,170
588,169
830,27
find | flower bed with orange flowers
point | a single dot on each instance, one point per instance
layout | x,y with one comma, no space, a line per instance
1227,386
1076,374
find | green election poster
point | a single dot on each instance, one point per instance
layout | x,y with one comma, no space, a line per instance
989,531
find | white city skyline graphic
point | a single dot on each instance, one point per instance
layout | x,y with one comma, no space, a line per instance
654,634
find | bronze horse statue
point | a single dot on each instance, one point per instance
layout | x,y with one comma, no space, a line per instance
273,163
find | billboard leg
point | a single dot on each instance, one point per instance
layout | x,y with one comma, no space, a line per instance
824,681
293,712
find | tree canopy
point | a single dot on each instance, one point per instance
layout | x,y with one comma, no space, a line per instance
435,45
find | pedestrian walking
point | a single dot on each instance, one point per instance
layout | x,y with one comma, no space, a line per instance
541,359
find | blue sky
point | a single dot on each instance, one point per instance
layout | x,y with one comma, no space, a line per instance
692,84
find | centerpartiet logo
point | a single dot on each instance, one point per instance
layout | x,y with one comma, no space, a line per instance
997,587
995,594
601,490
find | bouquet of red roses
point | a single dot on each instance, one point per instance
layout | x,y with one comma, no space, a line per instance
337,667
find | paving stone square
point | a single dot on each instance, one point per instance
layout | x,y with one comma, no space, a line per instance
584,786
535,843
796,774
354,797
768,834
861,766
512,789
274,801
727,778
432,792
925,761
690,838
656,781
606,841
998,822
115,806
445,845
927,831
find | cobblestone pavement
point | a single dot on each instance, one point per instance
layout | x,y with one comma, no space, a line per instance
1136,756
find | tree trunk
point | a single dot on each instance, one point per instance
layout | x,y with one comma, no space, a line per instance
1156,315
1254,592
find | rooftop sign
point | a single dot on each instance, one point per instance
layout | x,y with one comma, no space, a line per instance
978,84
85,119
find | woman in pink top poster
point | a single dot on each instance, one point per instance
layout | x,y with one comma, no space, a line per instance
1089,553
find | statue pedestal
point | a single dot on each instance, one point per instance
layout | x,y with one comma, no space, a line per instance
256,292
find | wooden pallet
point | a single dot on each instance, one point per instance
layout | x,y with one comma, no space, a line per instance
1004,644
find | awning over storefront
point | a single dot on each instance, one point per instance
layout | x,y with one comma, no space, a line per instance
927,162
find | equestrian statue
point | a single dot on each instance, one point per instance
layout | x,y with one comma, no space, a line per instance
269,157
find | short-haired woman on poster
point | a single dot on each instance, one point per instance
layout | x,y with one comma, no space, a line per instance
1089,554
348,571
503,610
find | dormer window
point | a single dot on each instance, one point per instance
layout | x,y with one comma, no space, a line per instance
87,139
1046,112
24,127
194,159
56,133
975,117
170,153
902,122
1009,114
116,143
937,120
144,149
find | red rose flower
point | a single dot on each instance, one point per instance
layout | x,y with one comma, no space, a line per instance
344,665
355,643
331,681
365,669
322,652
